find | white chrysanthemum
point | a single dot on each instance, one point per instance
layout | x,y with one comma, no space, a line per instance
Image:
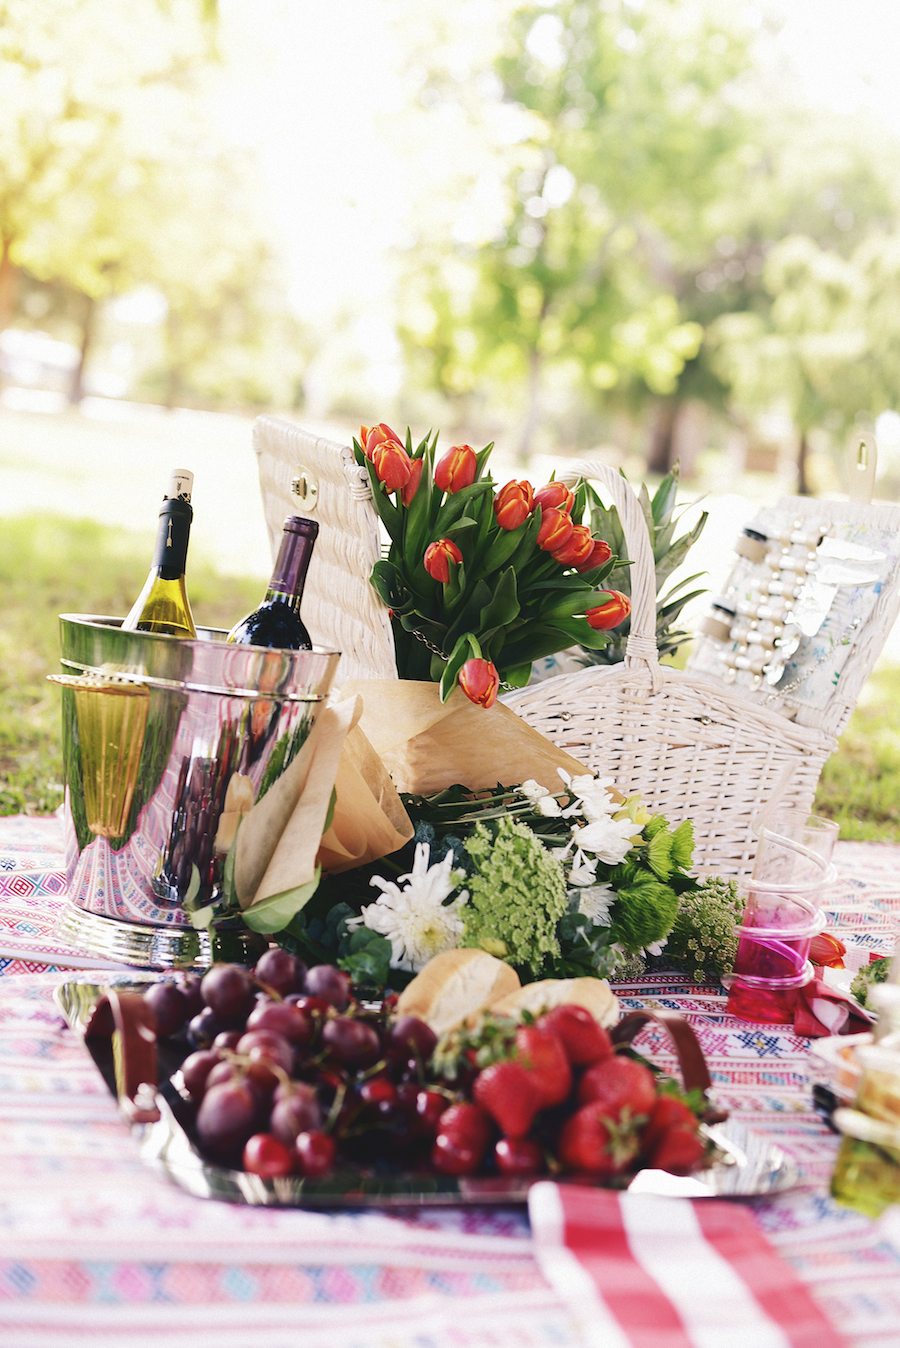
413,914
595,902
607,839
583,870
541,799
591,796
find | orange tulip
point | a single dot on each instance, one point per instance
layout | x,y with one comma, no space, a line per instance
456,469
370,437
614,611
513,504
554,496
392,464
577,550
480,682
600,553
438,557
827,950
555,531
412,483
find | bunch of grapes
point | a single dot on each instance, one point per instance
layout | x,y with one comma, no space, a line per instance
289,1073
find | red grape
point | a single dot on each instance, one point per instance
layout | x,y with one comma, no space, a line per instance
225,1119
333,985
267,1155
351,1042
408,1036
315,1152
169,1008
451,1156
229,991
285,1019
280,970
227,1039
518,1157
296,1110
203,1028
195,1070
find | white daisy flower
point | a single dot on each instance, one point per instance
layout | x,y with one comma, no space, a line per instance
595,902
413,914
607,839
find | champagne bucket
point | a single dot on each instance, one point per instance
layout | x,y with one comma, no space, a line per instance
166,743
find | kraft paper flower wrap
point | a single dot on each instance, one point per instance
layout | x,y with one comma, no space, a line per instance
480,583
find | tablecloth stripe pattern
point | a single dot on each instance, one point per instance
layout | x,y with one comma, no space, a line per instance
663,1273
94,1246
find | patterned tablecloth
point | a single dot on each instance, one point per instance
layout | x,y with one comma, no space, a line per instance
96,1248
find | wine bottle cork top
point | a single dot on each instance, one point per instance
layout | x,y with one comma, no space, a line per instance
180,484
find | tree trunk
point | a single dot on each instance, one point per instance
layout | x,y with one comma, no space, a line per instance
532,408
803,465
661,453
9,284
88,330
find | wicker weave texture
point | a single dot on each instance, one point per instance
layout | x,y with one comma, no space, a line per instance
691,747
340,608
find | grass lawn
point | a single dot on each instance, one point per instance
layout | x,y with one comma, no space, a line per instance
55,565
50,566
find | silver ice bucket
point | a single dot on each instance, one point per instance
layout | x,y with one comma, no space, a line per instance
166,743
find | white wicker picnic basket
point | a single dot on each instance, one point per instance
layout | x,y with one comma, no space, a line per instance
693,747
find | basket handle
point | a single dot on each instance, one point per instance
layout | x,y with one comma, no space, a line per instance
641,646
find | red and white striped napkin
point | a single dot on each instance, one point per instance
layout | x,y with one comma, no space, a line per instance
646,1272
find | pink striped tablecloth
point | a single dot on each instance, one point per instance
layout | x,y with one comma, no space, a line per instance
95,1248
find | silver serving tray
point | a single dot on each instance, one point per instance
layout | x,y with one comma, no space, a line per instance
747,1164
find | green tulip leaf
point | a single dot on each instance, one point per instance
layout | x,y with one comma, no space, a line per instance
273,914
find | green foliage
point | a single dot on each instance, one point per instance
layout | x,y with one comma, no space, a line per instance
645,907
517,894
869,976
662,516
49,566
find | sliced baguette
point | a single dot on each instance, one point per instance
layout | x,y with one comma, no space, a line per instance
455,986
594,994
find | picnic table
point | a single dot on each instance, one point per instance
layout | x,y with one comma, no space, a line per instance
95,1247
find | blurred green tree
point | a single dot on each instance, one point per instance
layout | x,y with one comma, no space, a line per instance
116,174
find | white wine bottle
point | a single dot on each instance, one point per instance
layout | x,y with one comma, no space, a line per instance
162,605
277,621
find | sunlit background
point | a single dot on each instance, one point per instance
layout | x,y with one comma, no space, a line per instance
656,229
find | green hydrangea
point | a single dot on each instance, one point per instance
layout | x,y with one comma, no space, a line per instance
645,909
703,940
517,894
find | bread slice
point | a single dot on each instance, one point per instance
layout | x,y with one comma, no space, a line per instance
455,986
594,994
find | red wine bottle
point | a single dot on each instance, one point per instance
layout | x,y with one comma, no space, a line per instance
277,621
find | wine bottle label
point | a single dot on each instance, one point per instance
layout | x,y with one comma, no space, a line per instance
170,556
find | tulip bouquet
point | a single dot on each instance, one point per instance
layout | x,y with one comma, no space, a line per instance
481,582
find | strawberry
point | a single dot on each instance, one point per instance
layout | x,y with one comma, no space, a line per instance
591,1143
542,1055
677,1150
618,1084
583,1038
508,1092
667,1112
